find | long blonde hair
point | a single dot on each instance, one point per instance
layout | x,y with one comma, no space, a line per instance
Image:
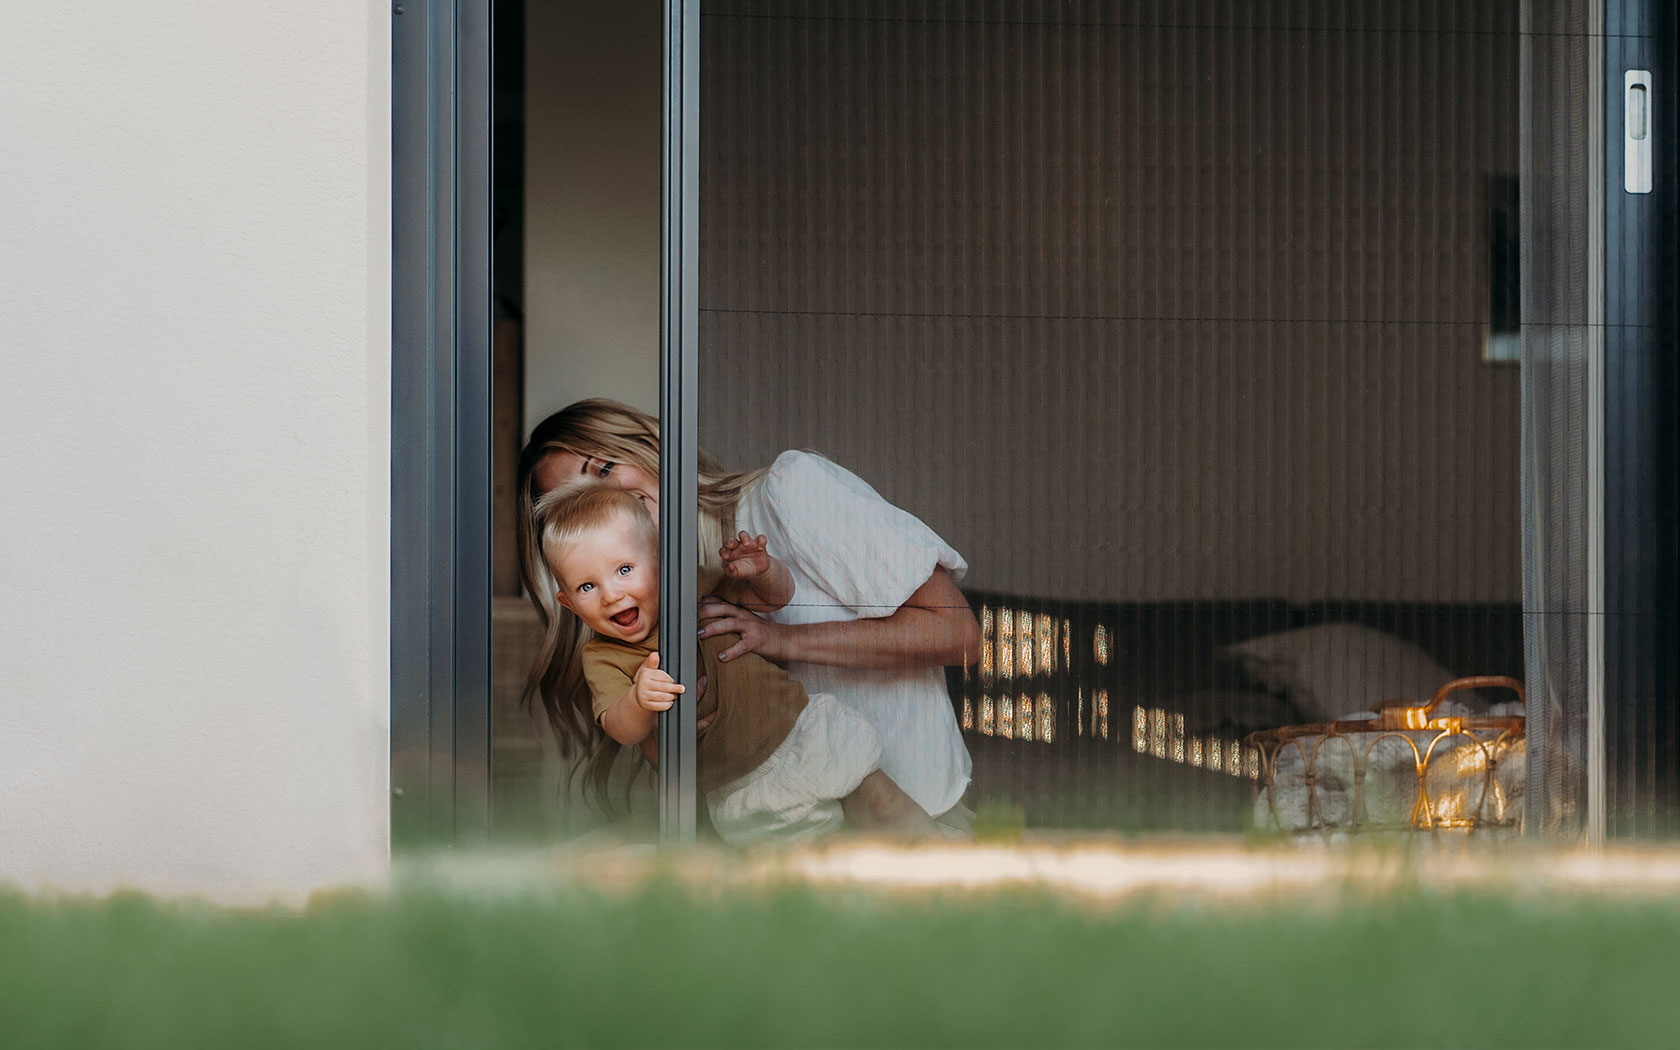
561,518
596,428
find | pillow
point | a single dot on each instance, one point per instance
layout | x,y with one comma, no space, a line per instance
1234,712
1335,670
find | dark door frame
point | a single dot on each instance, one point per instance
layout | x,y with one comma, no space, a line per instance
1640,794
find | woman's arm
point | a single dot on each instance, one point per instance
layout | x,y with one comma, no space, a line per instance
933,628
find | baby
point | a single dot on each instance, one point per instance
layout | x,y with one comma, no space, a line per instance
773,761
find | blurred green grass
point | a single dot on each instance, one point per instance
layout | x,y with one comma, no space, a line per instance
660,966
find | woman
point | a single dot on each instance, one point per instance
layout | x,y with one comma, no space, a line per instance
876,613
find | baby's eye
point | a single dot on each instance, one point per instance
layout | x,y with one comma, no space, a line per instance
624,570
585,588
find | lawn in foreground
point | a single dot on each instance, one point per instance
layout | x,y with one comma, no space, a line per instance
664,965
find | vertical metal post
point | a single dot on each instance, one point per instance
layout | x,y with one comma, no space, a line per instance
1640,727
679,328
414,318
474,419
1595,816
440,421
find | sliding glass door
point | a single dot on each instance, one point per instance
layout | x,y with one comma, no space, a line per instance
1185,326
1150,392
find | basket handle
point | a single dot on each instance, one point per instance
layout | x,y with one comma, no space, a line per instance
1480,681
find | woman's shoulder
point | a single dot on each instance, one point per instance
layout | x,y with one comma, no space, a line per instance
802,473
812,507
844,536
811,495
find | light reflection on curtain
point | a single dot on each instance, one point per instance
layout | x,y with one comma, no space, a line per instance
1557,351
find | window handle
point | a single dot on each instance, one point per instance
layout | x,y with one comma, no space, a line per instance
1636,130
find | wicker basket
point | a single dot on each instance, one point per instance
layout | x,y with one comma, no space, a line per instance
1406,768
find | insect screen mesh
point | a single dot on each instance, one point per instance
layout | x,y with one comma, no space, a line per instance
1187,325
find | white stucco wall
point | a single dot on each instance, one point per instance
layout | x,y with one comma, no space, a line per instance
194,439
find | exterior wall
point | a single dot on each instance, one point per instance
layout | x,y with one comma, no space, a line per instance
194,445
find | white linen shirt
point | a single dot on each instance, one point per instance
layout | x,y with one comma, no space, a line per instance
853,555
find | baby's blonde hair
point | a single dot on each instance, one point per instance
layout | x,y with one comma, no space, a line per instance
564,516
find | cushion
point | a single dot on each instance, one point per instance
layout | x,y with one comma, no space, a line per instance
1334,670
1230,712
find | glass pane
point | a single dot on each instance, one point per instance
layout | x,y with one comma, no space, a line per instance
577,177
1174,326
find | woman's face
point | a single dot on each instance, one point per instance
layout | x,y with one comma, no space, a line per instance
556,468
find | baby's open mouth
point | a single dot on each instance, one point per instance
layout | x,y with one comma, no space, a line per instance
628,617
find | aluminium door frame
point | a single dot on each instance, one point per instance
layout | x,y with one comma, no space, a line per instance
679,410
440,421
1634,782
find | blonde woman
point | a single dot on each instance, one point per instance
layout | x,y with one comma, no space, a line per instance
876,613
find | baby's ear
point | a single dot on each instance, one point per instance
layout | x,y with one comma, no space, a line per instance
560,596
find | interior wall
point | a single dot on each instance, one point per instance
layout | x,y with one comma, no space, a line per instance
1129,303
593,99
195,305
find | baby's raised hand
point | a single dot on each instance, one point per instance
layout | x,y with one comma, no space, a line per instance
745,557
655,689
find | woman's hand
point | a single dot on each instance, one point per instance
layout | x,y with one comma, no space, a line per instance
933,628
758,635
699,695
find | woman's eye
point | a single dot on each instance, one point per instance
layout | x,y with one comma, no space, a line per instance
607,468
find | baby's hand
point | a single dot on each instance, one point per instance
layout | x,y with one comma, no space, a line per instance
655,690
745,557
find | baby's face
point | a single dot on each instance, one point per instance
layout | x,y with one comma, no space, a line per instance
610,579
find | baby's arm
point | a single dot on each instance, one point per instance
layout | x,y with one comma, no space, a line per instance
769,583
635,714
